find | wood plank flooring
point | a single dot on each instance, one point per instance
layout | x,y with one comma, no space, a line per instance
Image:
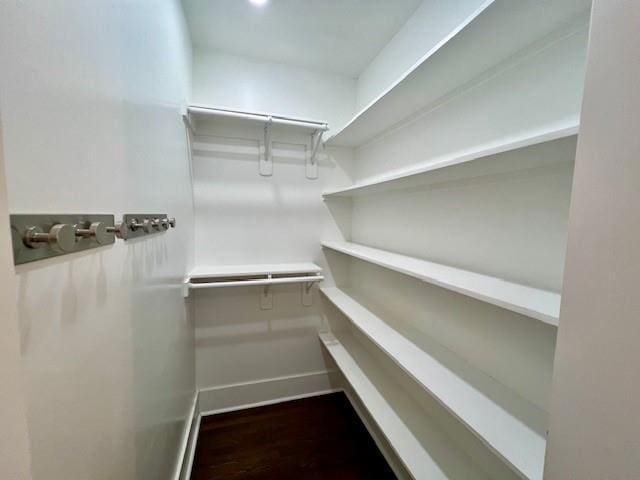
309,439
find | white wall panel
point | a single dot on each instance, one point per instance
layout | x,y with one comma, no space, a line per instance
91,95
229,81
245,218
593,433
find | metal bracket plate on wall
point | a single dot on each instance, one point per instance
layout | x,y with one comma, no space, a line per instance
142,224
40,236
266,157
307,293
312,158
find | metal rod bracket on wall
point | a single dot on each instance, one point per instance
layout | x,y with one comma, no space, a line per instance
266,159
266,297
312,159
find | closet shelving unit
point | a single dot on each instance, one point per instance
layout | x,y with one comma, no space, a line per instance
194,114
532,302
508,424
496,31
409,432
498,35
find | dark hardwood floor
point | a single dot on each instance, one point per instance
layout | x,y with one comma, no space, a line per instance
314,438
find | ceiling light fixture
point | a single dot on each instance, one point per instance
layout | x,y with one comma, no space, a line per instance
259,3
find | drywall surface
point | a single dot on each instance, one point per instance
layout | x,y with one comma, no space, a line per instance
432,21
14,442
239,83
594,412
245,218
91,95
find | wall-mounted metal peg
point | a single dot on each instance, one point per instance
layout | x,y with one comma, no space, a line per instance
61,237
120,229
97,230
172,222
145,225
158,223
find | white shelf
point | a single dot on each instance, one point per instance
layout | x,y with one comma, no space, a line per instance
204,111
508,424
425,173
221,276
218,271
424,450
532,302
498,30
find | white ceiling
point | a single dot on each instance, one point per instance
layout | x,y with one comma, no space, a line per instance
338,36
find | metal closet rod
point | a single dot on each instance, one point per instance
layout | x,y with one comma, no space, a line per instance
261,117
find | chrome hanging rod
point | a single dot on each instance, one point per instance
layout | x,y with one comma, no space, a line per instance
260,117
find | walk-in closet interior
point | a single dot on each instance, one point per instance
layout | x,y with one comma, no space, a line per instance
356,211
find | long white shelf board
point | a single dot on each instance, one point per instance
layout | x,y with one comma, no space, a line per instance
219,271
509,425
421,174
424,450
540,304
496,31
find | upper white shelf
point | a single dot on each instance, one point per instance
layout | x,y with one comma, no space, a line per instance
508,424
496,31
202,111
532,302
424,450
483,160
218,271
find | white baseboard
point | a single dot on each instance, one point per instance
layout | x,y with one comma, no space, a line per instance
238,396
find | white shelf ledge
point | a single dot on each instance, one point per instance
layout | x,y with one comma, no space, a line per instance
217,271
220,276
423,449
509,425
426,173
496,31
261,117
532,302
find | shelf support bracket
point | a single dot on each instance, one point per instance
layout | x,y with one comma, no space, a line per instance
307,293
266,297
312,159
266,159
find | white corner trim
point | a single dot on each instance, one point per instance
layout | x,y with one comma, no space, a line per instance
188,437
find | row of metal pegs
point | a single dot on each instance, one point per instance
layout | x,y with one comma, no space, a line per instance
36,237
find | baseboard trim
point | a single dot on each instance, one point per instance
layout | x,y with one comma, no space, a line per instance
237,396
187,435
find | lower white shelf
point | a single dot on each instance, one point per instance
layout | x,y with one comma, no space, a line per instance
509,425
220,276
425,451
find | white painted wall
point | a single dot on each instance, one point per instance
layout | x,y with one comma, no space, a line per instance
91,95
244,218
240,83
594,412
15,460
432,21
